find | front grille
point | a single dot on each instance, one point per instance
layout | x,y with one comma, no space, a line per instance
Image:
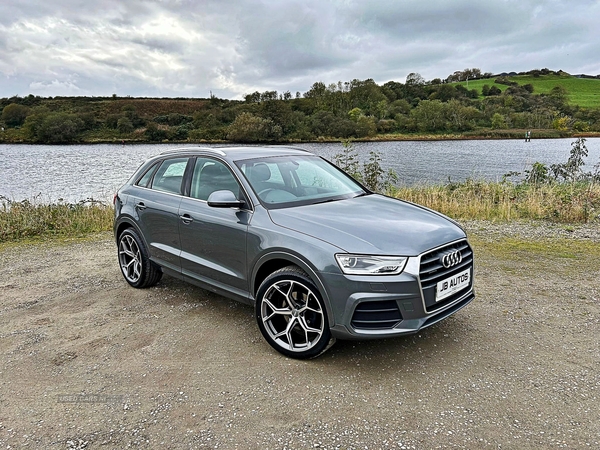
432,271
376,315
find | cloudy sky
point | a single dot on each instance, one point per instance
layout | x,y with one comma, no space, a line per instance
189,48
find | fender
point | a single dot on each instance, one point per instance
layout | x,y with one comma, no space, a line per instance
130,222
300,262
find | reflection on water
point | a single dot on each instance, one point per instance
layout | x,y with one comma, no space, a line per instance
75,172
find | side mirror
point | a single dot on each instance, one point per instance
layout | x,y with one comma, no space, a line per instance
224,199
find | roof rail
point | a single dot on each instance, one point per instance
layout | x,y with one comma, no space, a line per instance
291,147
204,149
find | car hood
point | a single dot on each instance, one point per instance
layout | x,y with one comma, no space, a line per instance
371,224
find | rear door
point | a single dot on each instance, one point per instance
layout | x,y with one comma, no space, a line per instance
157,206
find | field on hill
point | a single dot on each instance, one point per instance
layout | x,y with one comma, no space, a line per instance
584,92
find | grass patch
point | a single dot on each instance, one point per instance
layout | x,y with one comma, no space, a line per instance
28,219
511,248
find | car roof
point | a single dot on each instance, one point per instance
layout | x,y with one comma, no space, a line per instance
238,153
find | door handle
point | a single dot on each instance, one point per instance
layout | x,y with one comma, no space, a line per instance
186,218
140,205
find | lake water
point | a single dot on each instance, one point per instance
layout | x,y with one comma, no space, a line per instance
76,172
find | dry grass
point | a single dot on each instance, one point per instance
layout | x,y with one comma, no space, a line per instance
471,200
565,202
27,219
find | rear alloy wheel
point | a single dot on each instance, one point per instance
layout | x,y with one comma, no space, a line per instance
135,262
291,314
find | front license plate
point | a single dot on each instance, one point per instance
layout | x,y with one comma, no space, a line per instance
452,285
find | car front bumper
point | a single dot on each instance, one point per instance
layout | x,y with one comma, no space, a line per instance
365,307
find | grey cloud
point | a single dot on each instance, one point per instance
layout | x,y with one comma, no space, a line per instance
413,20
185,47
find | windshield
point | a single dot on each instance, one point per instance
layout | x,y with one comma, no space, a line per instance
292,180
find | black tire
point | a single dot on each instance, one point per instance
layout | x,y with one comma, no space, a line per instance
134,260
289,295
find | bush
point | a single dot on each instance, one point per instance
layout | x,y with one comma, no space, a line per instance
580,125
572,170
89,120
208,134
505,81
538,174
250,128
14,115
366,126
372,175
180,133
124,125
561,123
386,126
53,128
494,90
112,120
325,123
498,121
155,133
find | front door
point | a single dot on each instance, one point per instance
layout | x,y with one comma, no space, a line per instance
213,240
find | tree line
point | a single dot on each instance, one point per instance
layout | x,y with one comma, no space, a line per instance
343,110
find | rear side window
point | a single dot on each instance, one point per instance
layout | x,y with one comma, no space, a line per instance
145,180
169,175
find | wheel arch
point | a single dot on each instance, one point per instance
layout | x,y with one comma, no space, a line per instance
125,223
272,262
146,272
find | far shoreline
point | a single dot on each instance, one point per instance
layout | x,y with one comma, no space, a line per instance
493,135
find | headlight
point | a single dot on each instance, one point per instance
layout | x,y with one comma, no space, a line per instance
370,265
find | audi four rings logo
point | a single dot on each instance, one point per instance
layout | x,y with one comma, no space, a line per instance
451,259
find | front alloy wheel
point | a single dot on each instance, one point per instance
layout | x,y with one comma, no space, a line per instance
291,314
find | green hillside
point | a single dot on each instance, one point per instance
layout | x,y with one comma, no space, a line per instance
583,92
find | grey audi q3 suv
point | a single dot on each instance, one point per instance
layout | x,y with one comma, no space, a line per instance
318,255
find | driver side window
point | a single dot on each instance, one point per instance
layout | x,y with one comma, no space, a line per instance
211,175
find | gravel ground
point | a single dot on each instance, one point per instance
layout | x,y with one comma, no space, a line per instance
88,362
